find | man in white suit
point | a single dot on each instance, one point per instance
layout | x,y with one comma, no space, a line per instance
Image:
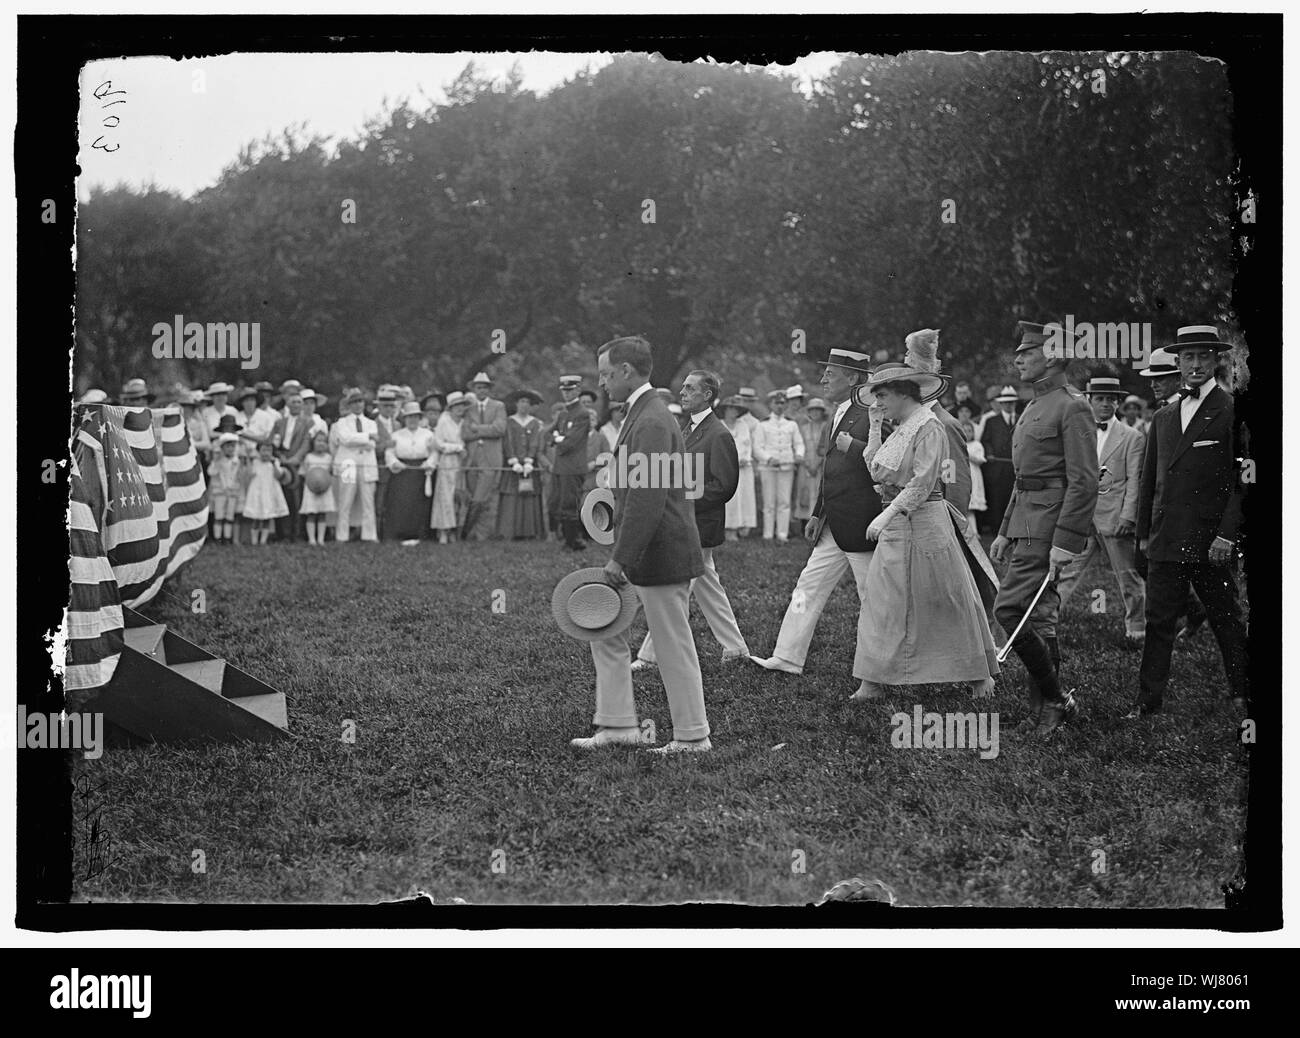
1114,523
355,466
778,451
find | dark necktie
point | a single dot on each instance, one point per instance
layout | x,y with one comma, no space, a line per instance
358,423
1103,426
1192,392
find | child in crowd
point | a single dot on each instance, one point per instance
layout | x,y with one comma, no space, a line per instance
264,501
318,488
223,488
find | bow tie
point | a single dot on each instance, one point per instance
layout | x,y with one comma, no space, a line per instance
1192,392
1103,426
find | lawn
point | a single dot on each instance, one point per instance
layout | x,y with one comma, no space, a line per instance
460,782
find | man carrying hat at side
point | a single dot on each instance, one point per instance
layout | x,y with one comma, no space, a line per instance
719,474
485,430
999,474
1054,452
1189,514
569,435
355,466
656,548
1114,523
847,501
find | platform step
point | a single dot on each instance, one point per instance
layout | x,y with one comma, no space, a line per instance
270,707
207,673
148,641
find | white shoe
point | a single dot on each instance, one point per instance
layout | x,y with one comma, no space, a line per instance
696,746
410,543
774,663
639,664
608,737
982,689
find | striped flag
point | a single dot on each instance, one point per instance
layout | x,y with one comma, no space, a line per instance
139,510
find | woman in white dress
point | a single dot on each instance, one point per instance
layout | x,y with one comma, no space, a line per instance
741,512
975,452
921,620
450,445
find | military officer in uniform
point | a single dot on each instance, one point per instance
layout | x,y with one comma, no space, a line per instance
1054,453
570,437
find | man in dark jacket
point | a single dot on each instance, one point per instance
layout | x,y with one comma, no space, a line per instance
1189,512
717,471
657,549
999,474
572,427
846,504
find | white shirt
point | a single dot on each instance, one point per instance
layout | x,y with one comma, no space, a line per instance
1101,436
699,416
634,396
1188,406
839,413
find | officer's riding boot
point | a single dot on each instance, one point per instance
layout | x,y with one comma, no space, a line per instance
1054,650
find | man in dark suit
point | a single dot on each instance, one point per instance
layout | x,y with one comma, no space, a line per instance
846,504
999,473
291,438
1189,513
657,549
717,470
572,428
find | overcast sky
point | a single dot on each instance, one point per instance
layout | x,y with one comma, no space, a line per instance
167,132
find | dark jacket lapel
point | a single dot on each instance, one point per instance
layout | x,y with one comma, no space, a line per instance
1200,421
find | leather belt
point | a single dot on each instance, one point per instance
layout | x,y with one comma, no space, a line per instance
1035,483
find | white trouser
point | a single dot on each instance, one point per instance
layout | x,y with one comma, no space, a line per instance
667,612
348,489
711,597
1120,552
778,485
823,570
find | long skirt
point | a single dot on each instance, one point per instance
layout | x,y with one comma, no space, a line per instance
444,515
922,621
406,509
741,511
519,516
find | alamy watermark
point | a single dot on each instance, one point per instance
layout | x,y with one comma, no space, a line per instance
193,340
951,731
1083,340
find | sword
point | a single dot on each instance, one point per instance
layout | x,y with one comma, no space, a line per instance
1005,651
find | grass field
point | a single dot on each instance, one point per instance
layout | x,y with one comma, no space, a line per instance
461,784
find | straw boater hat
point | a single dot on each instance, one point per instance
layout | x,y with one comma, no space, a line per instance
850,359
570,381
588,608
932,385
408,409
748,394
1198,335
1161,362
482,378
457,397
598,515
311,394
220,387
1008,395
795,392
1105,386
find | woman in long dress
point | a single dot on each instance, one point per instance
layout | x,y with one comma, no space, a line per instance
921,620
411,457
519,515
741,513
451,447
